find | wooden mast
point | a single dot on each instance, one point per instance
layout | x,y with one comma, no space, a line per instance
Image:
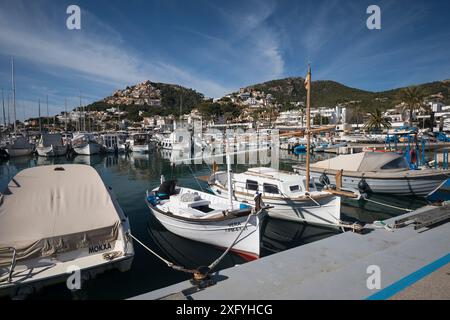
308,124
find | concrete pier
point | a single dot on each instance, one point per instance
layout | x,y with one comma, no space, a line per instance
405,263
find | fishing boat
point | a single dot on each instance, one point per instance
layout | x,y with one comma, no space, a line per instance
139,142
53,218
378,172
285,191
51,145
207,218
86,144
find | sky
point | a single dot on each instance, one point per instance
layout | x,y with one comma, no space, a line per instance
214,46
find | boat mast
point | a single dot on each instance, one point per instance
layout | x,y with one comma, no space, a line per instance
4,115
230,185
308,124
65,113
14,93
48,118
40,123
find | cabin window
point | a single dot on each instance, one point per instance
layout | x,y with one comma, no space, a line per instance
399,163
251,185
180,139
270,188
294,188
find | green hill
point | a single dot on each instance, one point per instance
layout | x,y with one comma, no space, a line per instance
325,93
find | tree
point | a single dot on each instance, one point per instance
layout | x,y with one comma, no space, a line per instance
377,121
413,98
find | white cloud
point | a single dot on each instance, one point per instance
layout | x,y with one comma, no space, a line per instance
32,35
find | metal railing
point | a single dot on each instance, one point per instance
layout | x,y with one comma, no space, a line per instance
13,262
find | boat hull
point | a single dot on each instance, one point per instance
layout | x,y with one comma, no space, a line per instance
52,151
19,152
88,148
323,211
140,148
220,233
404,186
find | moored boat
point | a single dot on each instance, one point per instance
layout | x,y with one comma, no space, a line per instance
377,172
64,228
86,144
207,218
51,145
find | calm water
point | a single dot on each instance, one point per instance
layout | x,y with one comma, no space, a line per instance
130,177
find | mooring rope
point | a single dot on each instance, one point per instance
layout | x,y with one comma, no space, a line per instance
167,262
217,261
386,205
212,265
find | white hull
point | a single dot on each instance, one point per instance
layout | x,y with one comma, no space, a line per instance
20,152
140,148
217,233
325,212
52,151
88,149
403,187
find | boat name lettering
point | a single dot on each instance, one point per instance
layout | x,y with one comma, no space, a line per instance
235,226
99,247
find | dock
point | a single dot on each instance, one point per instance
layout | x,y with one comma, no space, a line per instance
409,262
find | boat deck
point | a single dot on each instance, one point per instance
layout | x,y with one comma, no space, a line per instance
413,264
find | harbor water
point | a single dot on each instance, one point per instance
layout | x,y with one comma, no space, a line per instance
132,175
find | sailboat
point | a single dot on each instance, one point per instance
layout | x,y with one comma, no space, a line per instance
210,219
18,145
294,197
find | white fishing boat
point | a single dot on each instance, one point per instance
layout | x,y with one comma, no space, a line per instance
378,172
57,219
178,140
207,218
19,146
139,142
86,144
51,145
285,191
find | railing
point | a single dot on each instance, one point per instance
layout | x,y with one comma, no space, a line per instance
13,262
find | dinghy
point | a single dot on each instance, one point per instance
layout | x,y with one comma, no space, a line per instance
53,218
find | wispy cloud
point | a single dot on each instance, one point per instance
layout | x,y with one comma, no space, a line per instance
32,35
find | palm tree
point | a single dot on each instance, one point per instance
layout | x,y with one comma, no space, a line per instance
377,121
413,98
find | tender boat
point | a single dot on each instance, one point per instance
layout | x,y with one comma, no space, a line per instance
86,144
53,218
207,218
51,145
378,172
285,191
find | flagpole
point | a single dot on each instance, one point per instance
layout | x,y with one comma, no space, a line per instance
308,125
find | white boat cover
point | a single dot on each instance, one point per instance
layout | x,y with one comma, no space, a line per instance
51,139
364,162
52,209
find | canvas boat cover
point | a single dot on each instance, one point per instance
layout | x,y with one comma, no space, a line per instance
20,143
52,209
365,162
54,139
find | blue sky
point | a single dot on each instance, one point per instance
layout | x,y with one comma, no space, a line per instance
215,47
